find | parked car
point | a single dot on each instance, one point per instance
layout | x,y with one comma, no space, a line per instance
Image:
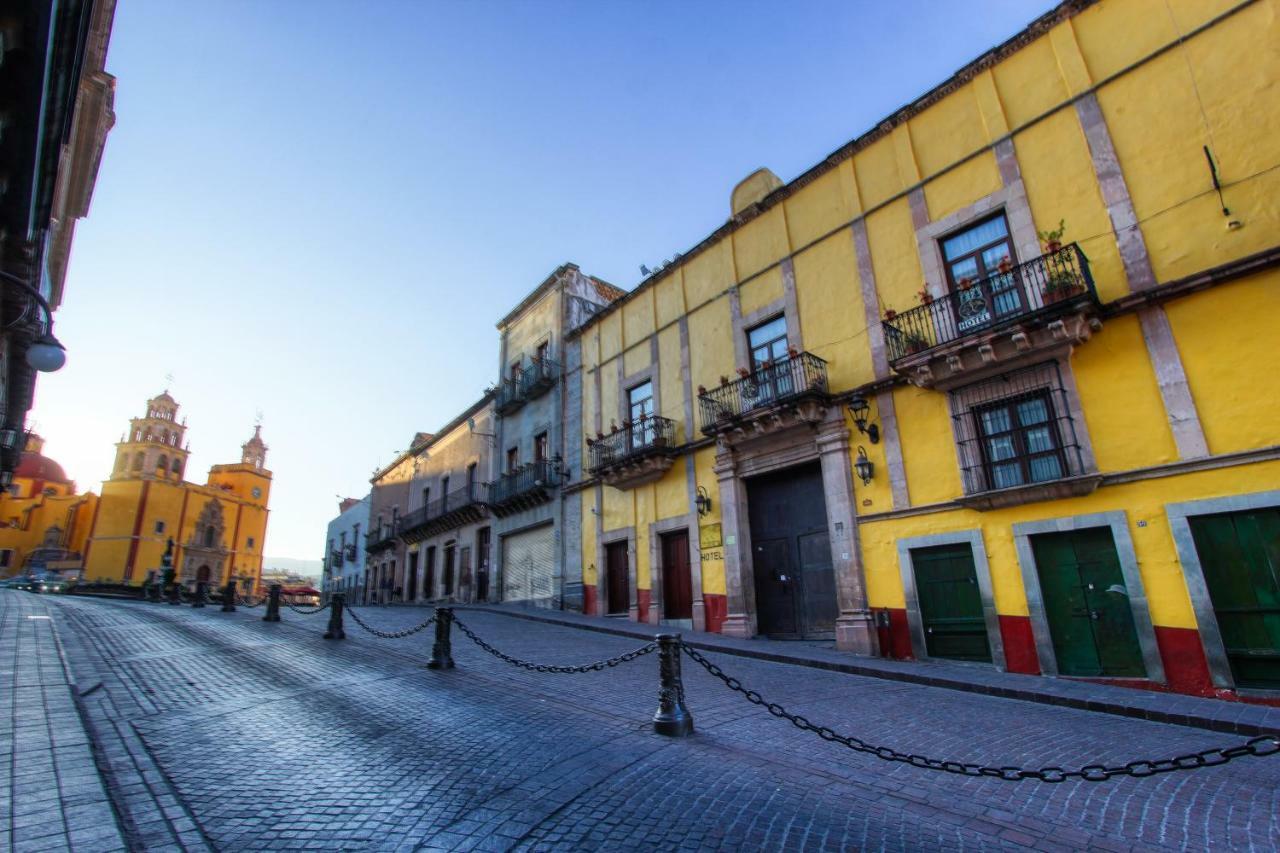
17,582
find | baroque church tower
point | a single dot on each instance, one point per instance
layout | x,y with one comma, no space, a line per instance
155,446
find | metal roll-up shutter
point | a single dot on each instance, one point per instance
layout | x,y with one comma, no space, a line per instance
528,566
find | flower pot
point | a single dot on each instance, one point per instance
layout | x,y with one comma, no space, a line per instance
1061,293
1052,246
889,314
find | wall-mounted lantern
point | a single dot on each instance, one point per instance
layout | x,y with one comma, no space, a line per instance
860,408
702,502
865,467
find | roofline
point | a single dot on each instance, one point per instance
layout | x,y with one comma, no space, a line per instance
1063,11
435,437
536,293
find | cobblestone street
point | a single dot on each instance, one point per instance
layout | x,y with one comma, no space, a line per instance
221,731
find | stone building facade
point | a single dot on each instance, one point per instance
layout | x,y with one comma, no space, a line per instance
344,561
533,558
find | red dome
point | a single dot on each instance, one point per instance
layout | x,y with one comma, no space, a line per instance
37,466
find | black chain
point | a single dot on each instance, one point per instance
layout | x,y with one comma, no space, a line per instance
546,667
244,601
305,611
389,635
1258,746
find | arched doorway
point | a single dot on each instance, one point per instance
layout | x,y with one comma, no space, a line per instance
202,574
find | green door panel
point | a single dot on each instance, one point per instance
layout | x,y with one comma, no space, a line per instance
1240,557
1087,605
950,603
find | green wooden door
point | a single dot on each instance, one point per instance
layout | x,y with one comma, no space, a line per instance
1087,604
1240,556
950,605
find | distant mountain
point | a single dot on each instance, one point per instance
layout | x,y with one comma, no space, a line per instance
292,565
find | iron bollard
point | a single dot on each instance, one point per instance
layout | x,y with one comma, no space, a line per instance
175,593
442,648
672,718
335,631
202,589
273,604
229,597
153,592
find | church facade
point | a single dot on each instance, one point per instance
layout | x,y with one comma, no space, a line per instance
218,528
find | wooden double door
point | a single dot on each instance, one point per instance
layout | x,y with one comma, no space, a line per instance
1240,558
794,577
950,603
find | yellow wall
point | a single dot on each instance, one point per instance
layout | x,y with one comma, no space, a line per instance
1225,336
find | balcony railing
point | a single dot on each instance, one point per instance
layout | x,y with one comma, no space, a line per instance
425,518
1043,286
783,381
634,441
351,552
537,376
531,481
381,537
335,558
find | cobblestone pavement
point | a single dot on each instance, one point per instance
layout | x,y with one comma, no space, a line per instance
242,735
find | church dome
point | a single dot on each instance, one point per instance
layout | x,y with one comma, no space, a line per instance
37,466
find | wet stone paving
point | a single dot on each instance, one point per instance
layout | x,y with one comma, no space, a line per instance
219,731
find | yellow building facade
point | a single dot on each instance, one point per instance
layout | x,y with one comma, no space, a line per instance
886,403
44,524
218,529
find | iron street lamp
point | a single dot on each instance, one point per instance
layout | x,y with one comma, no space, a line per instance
702,502
860,408
865,467
46,353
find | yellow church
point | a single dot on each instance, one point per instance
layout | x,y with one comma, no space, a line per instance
218,529
44,524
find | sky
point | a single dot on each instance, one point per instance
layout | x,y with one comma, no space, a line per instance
317,211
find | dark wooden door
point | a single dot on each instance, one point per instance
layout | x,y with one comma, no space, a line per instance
1087,604
950,604
677,585
616,580
791,554
446,577
429,575
413,575
1240,557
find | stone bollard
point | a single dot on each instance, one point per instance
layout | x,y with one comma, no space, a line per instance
202,590
273,604
153,592
229,597
442,648
672,718
335,631
175,593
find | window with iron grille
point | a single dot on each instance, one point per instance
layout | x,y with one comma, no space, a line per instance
1015,430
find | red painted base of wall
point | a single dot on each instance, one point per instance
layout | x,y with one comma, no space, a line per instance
716,608
1019,645
895,640
589,601
1185,667
644,598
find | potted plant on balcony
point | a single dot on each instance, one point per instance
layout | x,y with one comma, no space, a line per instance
925,297
792,352
889,315
613,427
702,390
965,283
1005,264
724,380
1053,239
915,342
743,372
1061,284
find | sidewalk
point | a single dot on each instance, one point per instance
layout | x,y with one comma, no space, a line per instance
54,793
1213,714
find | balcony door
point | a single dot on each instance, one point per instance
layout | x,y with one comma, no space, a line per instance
640,412
770,367
972,261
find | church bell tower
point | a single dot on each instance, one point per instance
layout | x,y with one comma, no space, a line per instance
155,446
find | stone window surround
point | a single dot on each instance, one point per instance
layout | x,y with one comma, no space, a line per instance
603,540
1180,515
657,529
1117,522
982,570
786,305
1075,411
1010,200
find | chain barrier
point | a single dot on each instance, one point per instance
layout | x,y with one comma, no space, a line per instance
243,601
546,667
388,635
305,611
1258,746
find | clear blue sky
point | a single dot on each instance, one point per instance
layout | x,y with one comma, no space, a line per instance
320,209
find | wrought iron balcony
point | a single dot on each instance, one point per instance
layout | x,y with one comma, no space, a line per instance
537,376
380,538
1045,287
526,486
461,506
771,388
335,558
638,453
351,552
